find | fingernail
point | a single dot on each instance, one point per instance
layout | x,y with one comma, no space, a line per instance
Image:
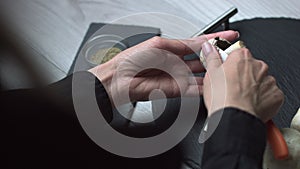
238,34
206,48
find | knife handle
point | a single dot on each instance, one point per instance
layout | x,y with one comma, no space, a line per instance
276,141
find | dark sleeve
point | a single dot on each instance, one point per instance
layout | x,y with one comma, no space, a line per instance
40,126
237,143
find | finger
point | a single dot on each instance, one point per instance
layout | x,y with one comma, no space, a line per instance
228,35
195,80
172,45
212,56
180,47
194,91
185,46
262,70
194,44
268,83
240,54
195,66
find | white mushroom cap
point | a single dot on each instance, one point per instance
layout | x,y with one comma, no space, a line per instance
296,122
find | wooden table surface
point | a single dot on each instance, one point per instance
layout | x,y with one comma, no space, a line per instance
54,29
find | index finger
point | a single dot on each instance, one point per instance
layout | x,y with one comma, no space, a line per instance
228,35
188,46
182,47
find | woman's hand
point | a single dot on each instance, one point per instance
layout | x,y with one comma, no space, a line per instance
241,82
155,64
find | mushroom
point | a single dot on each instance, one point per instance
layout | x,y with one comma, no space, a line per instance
296,121
223,46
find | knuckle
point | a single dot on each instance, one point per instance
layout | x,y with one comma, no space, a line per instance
265,67
272,80
236,55
241,54
279,95
237,52
246,53
232,55
157,41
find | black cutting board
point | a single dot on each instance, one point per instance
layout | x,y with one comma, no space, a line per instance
277,42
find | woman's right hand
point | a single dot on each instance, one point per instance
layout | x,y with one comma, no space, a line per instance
241,82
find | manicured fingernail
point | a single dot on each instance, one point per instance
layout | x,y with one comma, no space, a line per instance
206,48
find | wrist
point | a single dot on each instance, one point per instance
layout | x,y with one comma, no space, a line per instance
104,73
242,107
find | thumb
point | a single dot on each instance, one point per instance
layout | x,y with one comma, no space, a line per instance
212,56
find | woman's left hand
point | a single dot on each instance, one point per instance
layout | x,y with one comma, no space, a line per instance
155,65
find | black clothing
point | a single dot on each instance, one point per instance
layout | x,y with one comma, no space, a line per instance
40,129
237,143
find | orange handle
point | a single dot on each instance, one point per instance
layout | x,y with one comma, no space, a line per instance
276,141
